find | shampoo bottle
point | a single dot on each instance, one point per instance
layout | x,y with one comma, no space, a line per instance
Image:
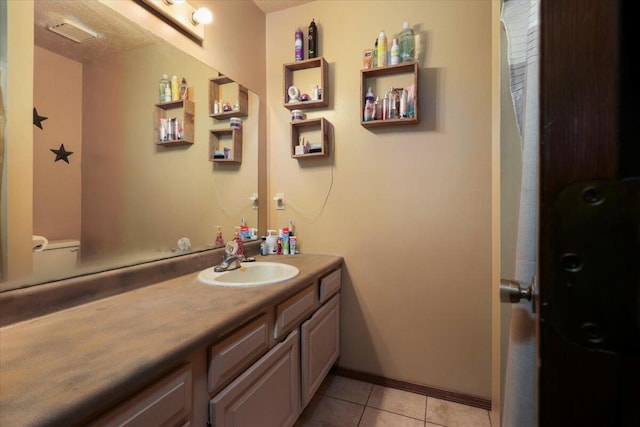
382,49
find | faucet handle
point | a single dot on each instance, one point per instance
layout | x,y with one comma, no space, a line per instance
231,248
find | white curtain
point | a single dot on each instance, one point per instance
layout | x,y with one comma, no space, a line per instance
521,22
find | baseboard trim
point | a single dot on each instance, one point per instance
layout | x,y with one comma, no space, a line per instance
462,398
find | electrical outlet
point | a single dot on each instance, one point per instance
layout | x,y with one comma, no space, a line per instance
279,198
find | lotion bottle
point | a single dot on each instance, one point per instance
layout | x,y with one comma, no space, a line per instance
395,52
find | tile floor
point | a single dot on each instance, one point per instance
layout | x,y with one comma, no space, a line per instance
344,402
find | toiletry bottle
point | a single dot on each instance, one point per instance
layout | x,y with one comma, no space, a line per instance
367,114
403,105
299,45
313,40
164,84
375,55
263,246
377,109
239,243
293,243
369,96
284,235
184,92
395,52
407,43
219,240
382,49
175,89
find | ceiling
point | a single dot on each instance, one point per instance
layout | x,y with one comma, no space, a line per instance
275,5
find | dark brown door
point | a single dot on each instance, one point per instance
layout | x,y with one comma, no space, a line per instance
589,266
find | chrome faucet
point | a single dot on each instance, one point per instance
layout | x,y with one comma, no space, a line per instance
231,259
230,262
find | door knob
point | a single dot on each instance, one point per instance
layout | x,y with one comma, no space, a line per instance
512,291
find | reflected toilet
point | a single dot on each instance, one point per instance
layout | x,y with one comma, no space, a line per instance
57,255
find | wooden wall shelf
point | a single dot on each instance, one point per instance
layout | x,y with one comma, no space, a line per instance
215,94
187,115
298,127
411,70
323,79
216,136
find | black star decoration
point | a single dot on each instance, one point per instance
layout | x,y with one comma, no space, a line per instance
61,153
38,119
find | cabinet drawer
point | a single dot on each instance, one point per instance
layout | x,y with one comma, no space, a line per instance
330,285
293,311
320,347
165,403
267,394
231,356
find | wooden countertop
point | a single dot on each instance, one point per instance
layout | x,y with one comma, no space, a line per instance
66,367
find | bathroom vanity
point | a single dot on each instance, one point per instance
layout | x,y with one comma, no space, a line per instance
177,353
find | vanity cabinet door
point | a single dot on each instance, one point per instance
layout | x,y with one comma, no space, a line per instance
266,395
320,347
166,403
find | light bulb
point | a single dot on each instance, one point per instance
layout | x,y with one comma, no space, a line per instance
202,16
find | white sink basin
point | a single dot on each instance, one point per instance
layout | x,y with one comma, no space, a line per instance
250,274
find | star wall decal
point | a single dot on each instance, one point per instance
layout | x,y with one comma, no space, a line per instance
61,153
38,119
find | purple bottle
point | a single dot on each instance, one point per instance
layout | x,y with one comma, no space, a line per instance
298,45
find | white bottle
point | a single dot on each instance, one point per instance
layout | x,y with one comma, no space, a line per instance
395,52
403,105
382,49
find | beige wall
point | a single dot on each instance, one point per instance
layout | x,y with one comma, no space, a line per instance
57,86
19,141
408,208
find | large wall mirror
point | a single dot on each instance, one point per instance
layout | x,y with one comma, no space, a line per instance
102,187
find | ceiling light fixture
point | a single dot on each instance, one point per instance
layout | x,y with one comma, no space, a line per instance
182,15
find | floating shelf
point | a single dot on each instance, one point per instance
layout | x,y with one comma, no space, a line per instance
300,126
323,69
188,113
215,142
215,94
392,70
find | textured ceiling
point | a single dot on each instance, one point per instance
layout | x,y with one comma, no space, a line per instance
115,33
275,5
